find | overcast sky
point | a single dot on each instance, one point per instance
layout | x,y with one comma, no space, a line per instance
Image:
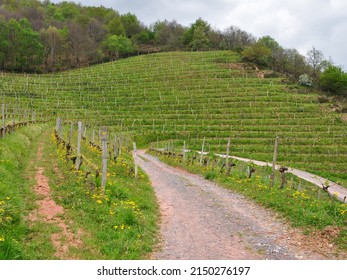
299,24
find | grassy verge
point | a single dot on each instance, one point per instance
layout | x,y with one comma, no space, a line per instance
15,196
300,202
122,224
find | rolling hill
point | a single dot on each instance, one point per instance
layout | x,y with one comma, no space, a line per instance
191,96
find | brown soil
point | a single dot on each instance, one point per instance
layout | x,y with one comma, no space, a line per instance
49,212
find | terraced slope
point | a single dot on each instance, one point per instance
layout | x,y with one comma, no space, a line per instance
191,96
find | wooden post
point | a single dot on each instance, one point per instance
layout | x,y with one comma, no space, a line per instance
227,154
135,155
104,158
202,151
272,177
33,116
57,125
70,133
3,120
120,146
79,138
115,148
184,150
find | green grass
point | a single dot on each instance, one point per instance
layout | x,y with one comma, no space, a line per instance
120,225
16,200
300,202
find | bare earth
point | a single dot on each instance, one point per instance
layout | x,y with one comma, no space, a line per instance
49,212
202,221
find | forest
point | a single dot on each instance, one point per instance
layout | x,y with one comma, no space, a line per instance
41,36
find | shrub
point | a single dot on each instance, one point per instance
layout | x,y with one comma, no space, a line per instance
305,80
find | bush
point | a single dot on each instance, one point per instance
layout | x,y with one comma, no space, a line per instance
305,80
334,80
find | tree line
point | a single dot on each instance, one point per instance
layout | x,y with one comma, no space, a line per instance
41,36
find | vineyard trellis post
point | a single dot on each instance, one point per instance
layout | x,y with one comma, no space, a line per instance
79,138
103,134
115,154
70,133
3,121
135,156
272,177
228,151
202,150
58,126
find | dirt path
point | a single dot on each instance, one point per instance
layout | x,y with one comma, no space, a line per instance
201,220
49,212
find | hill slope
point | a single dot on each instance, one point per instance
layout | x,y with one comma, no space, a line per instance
191,96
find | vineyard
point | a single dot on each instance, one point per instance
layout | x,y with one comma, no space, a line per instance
167,101
192,96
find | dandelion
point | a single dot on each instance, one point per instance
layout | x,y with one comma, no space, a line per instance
115,227
2,239
99,201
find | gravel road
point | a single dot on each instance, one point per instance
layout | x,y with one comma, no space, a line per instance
202,221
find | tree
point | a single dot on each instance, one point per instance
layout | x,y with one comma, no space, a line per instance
115,26
200,40
257,53
52,41
269,42
197,36
96,32
4,42
334,80
168,34
26,50
294,64
237,39
118,45
314,59
78,40
131,24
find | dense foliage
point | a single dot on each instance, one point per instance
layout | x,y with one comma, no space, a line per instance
41,36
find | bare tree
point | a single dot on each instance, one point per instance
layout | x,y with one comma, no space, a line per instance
52,41
315,59
79,41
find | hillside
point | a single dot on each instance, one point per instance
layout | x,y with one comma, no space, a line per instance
191,96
